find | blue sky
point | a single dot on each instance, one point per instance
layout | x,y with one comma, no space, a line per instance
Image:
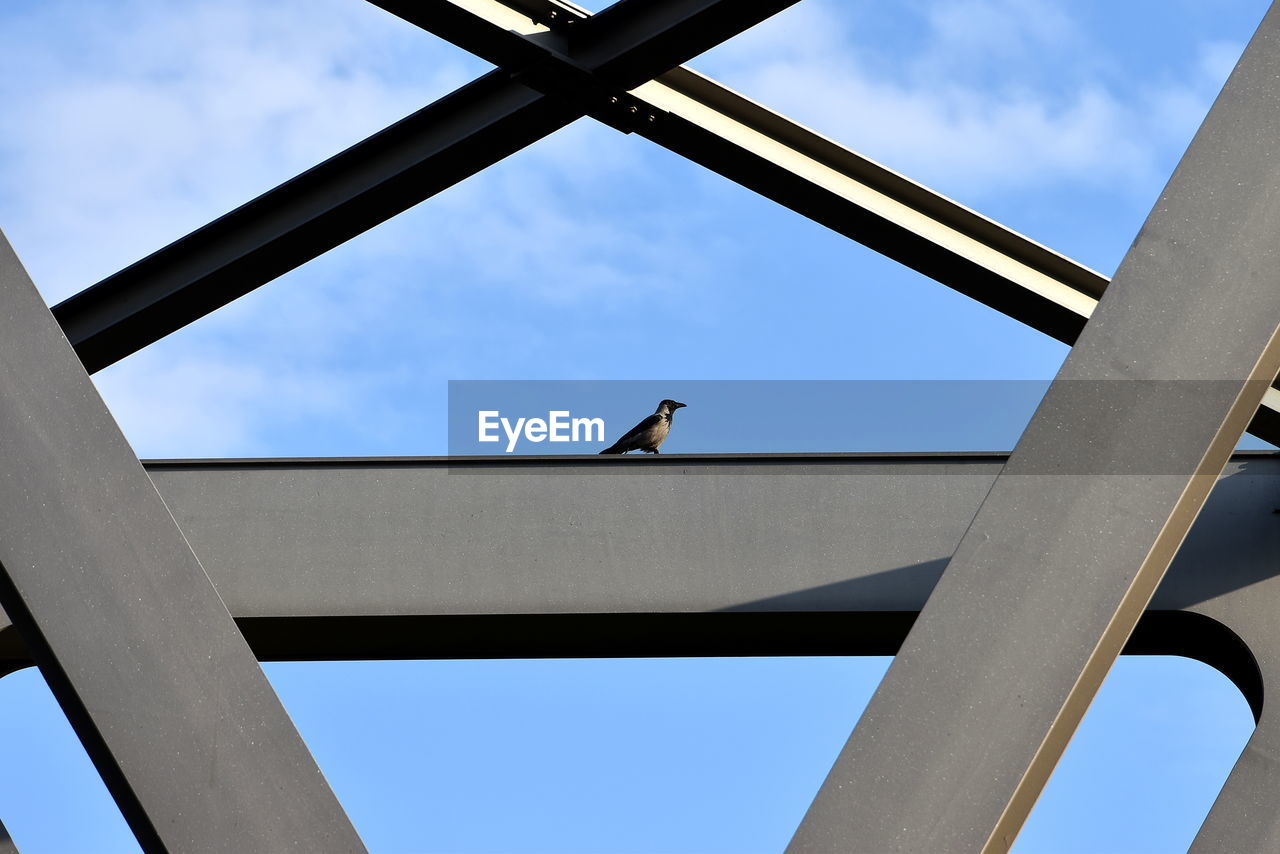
596,256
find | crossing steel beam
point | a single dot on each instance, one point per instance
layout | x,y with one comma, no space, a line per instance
794,555
1069,545
495,116
1044,588
134,642
431,150
708,123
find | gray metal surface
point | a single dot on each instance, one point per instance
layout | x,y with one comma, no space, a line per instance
130,635
335,559
746,535
1069,545
431,150
381,559
412,160
1244,816
6,842
768,554
716,127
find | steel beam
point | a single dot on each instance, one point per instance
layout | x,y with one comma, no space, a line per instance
1244,815
769,555
502,558
716,127
445,557
130,635
346,195
696,117
435,148
854,196
1069,546
474,543
492,118
708,123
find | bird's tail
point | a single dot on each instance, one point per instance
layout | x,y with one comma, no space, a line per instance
612,449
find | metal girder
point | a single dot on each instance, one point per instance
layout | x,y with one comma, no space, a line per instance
1070,544
459,135
768,555
322,558
133,640
710,124
493,117
344,540
346,195
560,63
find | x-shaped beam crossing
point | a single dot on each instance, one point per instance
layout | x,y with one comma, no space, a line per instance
1202,274
499,114
107,594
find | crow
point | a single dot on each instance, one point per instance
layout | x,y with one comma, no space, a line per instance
649,433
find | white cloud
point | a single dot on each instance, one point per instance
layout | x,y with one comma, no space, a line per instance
133,123
978,32
130,124
975,108
211,403
181,114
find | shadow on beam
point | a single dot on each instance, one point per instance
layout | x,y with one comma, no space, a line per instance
719,634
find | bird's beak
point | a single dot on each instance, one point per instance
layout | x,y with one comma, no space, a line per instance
680,405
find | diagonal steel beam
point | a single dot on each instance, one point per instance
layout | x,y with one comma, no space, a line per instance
710,124
346,195
1071,542
130,635
492,118
797,554
468,130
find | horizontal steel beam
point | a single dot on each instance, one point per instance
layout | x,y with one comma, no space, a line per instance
548,537
764,151
459,135
763,555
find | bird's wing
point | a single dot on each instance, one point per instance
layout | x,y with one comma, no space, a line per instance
636,431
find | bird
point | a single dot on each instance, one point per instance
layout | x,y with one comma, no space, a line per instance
649,433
